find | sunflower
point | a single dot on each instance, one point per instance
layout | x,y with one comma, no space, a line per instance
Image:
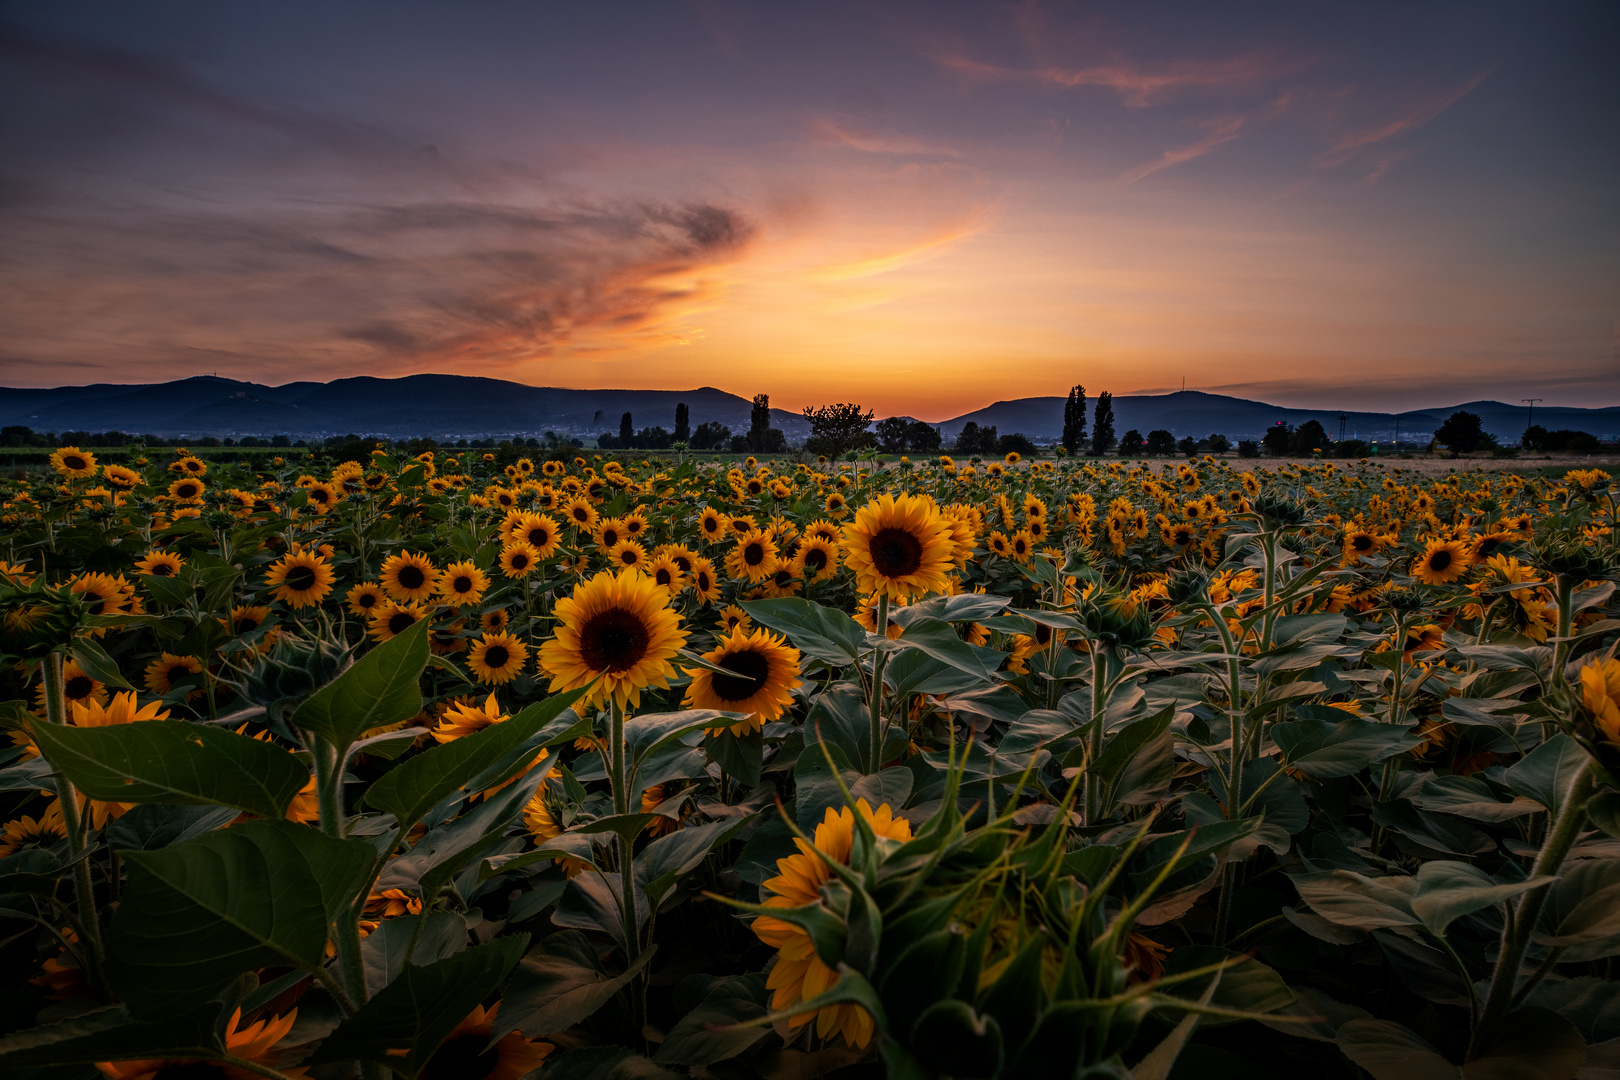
73,463
609,531
493,622
627,554
580,514
26,832
542,824
711,525
836,505
254,1043
364,598
497,658
1179,536
664,570
999,544
754,557
1442,562
519,560
815,560
766,674
899,546
822,529
186,490
390,619
160,563
120,477
163,673
189,465
245,619
799,973
866,616
1600,695
1021,545
1359,542
635,524
1423,638
103,593
617,632
539,531
705,583
466,1053
462,583
301,578
407,576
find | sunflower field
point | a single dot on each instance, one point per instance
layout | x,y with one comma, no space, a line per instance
661,768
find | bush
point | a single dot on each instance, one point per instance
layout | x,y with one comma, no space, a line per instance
1015,443
1248,448
1160,442
1131,444
1218,444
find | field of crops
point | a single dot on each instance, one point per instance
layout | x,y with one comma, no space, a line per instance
432,767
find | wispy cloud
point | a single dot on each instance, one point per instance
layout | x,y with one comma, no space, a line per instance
828,130
1221,130
1353,143
908,254
1136,85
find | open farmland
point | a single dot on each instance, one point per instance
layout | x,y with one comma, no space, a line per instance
658,766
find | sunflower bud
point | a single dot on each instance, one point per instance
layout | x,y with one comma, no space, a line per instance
1279,511
292,672
1188,585
1404,601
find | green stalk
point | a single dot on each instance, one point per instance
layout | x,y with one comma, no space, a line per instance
1099,707
619,779
879,660
1566,617
1516,932
84,892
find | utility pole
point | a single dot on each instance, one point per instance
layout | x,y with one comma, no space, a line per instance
1341,427
1529,420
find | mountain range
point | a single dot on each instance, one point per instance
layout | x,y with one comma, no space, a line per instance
467,406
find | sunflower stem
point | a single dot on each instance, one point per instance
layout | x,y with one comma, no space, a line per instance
1517,930
627,863
874,755
67,798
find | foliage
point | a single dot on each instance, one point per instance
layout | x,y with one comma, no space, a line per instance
836,430
1223,768
1462,433
1102,424
1074,420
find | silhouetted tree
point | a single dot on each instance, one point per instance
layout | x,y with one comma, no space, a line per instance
1187,447
837,429
1461,433
922,438
759,423
1276,438
973,439
1074,420
1218,444
1308,438
1102,424
710,435
1248,448
1015,442
1132,443
891,434
1160,441
627,430
683,424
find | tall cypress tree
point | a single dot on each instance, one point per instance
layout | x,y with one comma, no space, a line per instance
683,423
627,430
759,423
1102,424
1074,420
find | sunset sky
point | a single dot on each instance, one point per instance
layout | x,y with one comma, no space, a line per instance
921,207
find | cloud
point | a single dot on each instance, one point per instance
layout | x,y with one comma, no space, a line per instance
1351,144
1221,130
832,131
1135,85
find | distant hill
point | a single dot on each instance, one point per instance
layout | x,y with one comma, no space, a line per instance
1195,413
437,405
464,405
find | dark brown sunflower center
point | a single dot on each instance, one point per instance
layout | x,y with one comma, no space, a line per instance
662,576
704,581
1488,546
246,625
710,525
190,1070
410,576
519,560
318,494
752,672
581,514
78,687
366,599
895,552
614,640
684,563
187,490
73,462
162,569
784,578
497,657
300,578
815,559
177,673
610,537
400,621
1363,542
1043,634
754,554
1440,560
462,584
462,1058
539,536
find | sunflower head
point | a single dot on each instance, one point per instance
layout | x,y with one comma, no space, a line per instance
763,673
617,632
497,658
409,576
899,546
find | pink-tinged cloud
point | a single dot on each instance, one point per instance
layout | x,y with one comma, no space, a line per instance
831,131
1222,130
1352,143
1135,85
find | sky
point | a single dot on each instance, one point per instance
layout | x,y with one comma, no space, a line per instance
922,207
